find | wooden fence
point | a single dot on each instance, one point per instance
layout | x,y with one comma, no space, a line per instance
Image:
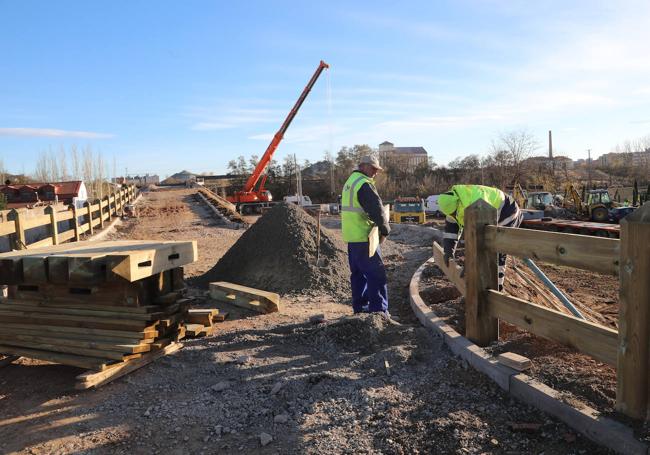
80,220
627,349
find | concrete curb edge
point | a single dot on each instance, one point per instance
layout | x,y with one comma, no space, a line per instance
588,421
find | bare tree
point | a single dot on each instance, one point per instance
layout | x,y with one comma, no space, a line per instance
519,144
76,167
63,164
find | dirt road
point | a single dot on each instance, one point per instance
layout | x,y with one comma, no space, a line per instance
277,383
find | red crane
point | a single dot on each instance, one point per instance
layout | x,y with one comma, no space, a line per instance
249,194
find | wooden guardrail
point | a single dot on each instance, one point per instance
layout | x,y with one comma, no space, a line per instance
628,258
92,215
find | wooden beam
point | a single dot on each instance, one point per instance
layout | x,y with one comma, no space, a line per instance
514,361
596,340
98,379
144,263
245,297
596,254
18,217
93,363
20,339
634,316
48,328
54,225
452,272
481,274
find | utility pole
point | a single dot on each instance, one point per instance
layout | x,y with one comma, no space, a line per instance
589,167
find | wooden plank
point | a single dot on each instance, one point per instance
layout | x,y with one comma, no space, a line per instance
97,379
194,330
75,223
88,306
70,321
97,353
66,235
47,329
220,317
592,339
480,274
18,218
7,228
40,309
41,243
8,329
634,316
515,361
19,339
452,272
245,297
36,221
64,215
144,263
92,363
597,254
54,224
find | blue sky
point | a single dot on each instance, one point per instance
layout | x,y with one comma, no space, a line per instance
161,86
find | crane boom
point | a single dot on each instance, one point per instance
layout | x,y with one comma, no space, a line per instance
241,196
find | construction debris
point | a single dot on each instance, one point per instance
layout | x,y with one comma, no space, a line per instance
278,254
95,305
245,297
200,321
514,361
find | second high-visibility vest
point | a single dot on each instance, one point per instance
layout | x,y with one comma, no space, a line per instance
468,194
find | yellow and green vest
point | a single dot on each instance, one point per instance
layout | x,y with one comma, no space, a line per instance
355,223
468,194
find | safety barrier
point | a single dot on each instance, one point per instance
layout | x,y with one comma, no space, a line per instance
628,258
91,215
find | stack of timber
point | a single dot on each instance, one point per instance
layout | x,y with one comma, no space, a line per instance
201,322
109,307
226,209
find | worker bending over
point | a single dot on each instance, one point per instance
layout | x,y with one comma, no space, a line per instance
361,210
453,205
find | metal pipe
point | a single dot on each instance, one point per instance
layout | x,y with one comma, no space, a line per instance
549,284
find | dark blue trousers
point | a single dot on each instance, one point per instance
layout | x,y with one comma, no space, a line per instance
368,279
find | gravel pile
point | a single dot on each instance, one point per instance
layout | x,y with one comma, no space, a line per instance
278,253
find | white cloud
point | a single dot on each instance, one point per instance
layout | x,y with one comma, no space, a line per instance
228,116
50,132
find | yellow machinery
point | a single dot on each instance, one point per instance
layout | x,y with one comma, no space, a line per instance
408,210
595,207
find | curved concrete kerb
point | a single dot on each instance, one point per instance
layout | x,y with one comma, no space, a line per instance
586,420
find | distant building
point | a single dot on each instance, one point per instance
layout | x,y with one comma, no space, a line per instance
73,192
544,162
407,158
621,159
138,180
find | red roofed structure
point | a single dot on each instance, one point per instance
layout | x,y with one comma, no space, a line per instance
73,192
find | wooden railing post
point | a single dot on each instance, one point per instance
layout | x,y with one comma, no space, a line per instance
481,273
101,213
110,210
18,217
89,212
54,227
75,221
634,315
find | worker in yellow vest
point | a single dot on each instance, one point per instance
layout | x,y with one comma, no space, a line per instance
458,198
361,210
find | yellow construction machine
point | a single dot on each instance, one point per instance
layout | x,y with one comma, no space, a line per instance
595,204
408,210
